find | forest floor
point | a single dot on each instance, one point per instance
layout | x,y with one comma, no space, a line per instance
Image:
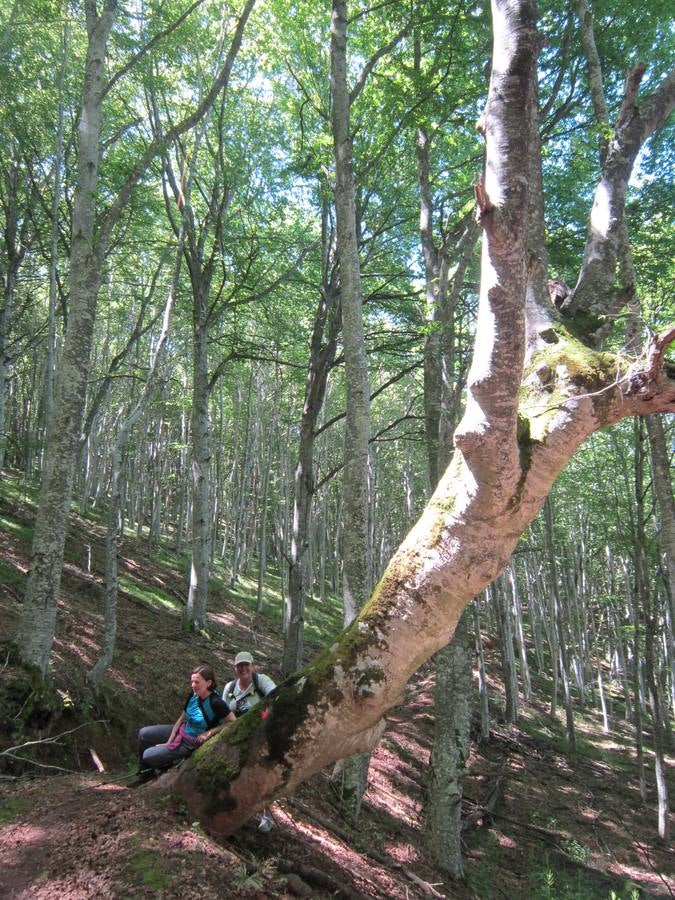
540,823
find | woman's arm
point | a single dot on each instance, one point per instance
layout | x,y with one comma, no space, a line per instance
174,730
209,733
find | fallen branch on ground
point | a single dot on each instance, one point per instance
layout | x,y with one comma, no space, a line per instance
50,740
320,879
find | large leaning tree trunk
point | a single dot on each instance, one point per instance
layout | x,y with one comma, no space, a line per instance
525,418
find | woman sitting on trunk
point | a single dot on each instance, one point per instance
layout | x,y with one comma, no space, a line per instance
204,712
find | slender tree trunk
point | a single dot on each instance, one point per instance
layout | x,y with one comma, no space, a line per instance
197,603
557,625
501,602
262,534
664,496
54,235
14,253
658,724
637,595
647,602
322,355
452,717
36,629
95,675
355,544
482,675
520,633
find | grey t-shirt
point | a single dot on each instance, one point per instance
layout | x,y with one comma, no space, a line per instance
240,701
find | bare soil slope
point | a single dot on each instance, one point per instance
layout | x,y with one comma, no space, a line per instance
539,824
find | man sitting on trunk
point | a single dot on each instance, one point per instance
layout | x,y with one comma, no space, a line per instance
248,687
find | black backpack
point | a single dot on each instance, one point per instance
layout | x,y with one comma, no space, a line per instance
210,716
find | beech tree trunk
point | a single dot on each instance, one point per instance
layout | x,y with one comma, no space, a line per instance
525,418
35,634
197,602
666,502
638,595
323,347
482,676
501,602
452,691
450,753
556,626
95,675
356,561
50,362
36,629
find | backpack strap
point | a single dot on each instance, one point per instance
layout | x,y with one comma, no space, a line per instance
229,688
207,710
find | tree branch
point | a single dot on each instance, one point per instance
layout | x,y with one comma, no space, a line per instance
373,61
158,145
592,297
149,46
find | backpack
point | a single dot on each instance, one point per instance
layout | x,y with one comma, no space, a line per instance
229,692
206,707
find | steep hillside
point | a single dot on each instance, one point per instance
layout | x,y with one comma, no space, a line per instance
539,824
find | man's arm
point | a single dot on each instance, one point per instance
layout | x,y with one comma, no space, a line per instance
265,684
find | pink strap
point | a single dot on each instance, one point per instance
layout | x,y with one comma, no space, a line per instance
181,736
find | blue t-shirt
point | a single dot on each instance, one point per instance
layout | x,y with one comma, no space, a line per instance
195,720
195,723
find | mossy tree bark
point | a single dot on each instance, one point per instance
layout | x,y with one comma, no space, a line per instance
525,418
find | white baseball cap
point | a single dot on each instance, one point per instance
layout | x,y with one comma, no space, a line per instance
243,657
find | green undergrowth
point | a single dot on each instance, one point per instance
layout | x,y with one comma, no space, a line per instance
9,573
23,532
563,875
149,871
323,618
16,490
13,809
591,743
152,596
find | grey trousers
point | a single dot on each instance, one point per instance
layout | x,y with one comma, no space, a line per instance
151,756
